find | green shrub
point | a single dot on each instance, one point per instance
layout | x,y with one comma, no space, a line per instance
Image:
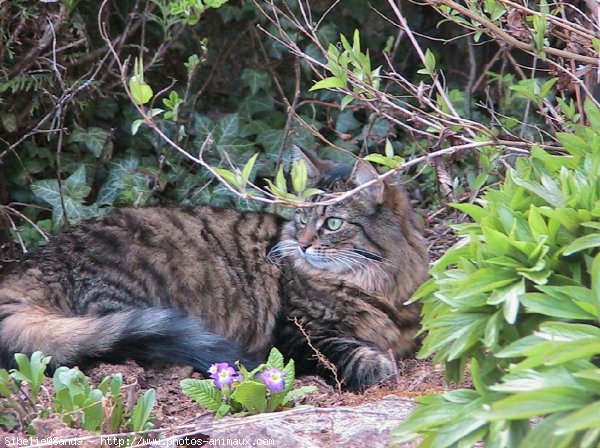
518,298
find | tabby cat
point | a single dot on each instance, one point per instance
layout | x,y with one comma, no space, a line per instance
203,285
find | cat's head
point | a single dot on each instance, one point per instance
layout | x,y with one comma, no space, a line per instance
371,239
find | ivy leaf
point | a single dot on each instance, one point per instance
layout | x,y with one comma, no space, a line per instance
227,128
346,122
92,138
271,140
255,104
115,185
253,127
47,190
74,191
76,211
77,178
237,149
201,126
256,79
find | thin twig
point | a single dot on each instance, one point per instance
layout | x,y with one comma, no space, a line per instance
497,32
321,358
24,217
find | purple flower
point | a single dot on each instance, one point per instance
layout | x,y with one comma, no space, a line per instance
223,374
274,379
216,368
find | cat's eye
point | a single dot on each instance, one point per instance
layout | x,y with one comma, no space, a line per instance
333,223
302,217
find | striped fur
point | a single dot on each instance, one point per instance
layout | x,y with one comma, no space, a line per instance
203,285
171,283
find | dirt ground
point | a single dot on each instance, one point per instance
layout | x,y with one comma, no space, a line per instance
174,410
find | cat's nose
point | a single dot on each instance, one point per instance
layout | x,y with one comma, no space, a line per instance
303,245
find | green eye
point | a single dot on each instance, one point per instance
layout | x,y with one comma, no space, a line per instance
333,223
302,217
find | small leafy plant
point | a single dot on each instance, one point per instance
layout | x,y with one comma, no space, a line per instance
518,299
350,59
267,388
18,403
81,405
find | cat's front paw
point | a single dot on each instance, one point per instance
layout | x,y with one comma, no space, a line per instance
364,367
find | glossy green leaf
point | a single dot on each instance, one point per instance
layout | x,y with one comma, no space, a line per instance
141,92
537,403
329,83
582,243
585,418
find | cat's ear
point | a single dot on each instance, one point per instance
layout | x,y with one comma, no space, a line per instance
364,172
313,164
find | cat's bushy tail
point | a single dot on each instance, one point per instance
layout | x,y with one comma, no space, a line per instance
27,325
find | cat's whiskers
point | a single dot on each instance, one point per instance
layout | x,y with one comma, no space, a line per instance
350,260
282,250
282,245
381,260
342,260
345,260
333,261
361,261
